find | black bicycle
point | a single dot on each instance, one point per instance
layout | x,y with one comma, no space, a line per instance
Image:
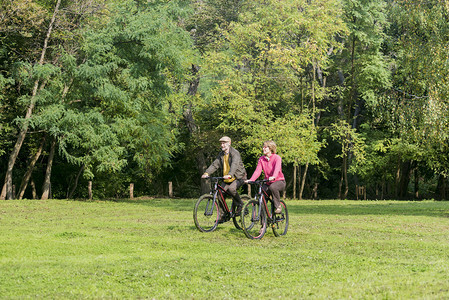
257,214
206,211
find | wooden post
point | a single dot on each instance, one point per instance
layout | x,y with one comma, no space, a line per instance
249,190
360,191
170,189
131,191
89,189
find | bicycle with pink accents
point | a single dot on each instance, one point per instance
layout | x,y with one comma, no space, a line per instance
259,213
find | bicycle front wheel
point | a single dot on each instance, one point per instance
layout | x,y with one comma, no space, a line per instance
254,221
237,219
280,222
205,213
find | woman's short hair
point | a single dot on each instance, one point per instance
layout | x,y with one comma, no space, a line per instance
271,145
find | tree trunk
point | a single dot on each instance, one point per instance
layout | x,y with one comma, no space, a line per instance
7,188
294,182
303,181
416,183
193,130
344,179
340,184
89,189
441,187
313,88
199,154
404,179
397,179
70,195
27,176
33,189
345,172
47,180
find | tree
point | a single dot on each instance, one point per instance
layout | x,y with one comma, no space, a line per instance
361,72
102,101
257,70
415,108
350,142
7,188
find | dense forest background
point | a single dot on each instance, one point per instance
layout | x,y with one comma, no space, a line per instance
354,92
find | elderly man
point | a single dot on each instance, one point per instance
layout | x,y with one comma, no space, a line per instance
234,173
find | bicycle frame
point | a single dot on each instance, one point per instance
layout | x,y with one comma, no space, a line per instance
215,202
263,196
218,192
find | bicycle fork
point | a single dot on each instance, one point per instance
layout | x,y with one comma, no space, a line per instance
210,206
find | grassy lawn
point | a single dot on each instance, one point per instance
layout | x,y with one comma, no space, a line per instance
151,249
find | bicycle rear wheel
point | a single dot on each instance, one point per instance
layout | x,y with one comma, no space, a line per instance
280,223
237,219
205,213
254,221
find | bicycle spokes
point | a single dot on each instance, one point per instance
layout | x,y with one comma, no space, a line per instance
205,214
254,222
280,221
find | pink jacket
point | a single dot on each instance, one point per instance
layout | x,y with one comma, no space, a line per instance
271,167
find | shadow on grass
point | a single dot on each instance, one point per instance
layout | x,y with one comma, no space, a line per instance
431,209
324,207
167,203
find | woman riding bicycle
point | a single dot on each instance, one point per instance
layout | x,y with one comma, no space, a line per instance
271,164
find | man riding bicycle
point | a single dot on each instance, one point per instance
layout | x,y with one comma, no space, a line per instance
233,170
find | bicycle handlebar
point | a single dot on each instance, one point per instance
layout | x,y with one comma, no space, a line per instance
214,178
261,181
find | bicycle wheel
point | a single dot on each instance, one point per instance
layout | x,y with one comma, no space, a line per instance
254,221
205,213
280,223
237,219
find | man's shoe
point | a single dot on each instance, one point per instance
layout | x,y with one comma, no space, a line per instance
238,211
278,210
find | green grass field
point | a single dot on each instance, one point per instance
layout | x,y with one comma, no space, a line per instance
60,249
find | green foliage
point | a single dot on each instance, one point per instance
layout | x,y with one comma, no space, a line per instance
255,72
364,81
351,142
295,136
365,67
125,77
103,92
414,111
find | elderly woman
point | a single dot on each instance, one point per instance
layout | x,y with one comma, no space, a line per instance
271,164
